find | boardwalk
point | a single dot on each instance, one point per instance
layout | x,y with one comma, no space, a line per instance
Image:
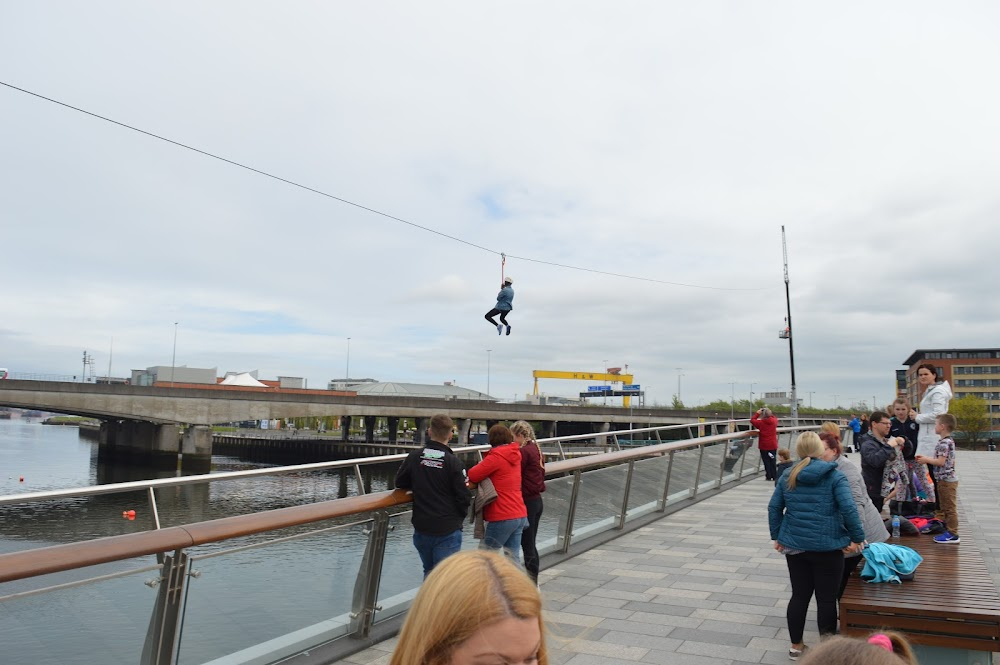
704,586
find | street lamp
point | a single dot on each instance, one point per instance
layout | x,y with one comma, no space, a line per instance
679,375
173,358
732,400
835,396
347,371
751,397
488,352
811,392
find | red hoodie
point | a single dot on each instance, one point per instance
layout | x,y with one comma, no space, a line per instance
502,465
768,439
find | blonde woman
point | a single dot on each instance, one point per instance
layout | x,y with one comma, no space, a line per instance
475,607
813,522
532,486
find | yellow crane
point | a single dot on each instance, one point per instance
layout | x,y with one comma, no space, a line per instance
613,375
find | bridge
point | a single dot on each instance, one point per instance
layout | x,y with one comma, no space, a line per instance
144,422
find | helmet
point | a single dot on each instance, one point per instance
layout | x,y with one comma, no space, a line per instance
508,280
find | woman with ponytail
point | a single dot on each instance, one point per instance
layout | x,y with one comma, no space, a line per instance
813,522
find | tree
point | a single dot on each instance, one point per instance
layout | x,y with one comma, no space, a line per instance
677,403
972,417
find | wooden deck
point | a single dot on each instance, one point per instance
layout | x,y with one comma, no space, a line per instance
951,602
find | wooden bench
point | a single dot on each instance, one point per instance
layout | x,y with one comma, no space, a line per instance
951,602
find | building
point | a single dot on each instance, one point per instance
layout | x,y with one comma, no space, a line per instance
969,371
168,374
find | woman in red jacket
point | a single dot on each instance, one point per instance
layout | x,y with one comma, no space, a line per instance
507,516
532,486
767,441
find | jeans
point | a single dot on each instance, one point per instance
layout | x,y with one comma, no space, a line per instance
529,535
810,572
505,535
435,549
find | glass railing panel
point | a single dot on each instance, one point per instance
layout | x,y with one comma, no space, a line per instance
599,504
555,508
682,477
649,477
239,601
711,465
72,624
736,451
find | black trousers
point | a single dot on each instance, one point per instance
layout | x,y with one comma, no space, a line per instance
530,535
770,464
819,573
493,312
850,564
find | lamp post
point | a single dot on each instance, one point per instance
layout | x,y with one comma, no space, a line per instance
811,392
173,358
603,380
488,352
835,396
679,375
751,397
347,371
732,400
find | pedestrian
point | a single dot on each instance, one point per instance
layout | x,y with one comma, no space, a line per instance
934,400
505,303
507,516
532,486
767,441
784,462
947,480
886,648
877,448
476,608
813,521
437,479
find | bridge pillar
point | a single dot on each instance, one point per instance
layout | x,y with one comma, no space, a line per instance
393,428
165,445
464,426
370,429
345,428
549,429
196,448
603,440
420,436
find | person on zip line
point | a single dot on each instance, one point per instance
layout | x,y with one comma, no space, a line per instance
505,300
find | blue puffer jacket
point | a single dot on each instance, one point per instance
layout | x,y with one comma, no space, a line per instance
819,515
505,299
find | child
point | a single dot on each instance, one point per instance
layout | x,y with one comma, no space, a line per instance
784,462
944,473
505,300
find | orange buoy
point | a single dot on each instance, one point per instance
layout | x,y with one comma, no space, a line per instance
131,514
22,479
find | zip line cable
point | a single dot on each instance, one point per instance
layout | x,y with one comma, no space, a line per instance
360,206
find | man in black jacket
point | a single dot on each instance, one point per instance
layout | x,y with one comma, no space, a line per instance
877,447
437,480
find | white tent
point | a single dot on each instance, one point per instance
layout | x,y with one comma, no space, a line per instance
243,379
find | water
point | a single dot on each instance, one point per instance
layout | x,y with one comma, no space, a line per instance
238,600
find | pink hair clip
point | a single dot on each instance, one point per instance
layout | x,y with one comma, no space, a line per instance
881,640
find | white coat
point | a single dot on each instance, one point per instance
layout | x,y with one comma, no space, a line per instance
932,404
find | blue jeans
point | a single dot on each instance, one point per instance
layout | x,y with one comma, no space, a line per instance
505,535
435,549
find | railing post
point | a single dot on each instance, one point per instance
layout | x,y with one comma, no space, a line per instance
165,623
697,474
614,437
364,606
746,451
360,479
567,534
562,453
666,484
722,464
628,487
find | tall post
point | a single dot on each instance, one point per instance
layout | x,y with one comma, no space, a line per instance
173,357
679,375
752,383
347,370
488,352
732,400
791,351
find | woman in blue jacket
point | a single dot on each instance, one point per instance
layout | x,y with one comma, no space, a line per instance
813,522
505,303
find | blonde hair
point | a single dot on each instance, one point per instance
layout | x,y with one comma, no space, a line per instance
464,593
832,428
527,432
784,454
840,650
807,446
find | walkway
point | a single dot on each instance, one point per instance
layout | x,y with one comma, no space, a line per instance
704,586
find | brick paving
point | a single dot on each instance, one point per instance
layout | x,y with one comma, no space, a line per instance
704,585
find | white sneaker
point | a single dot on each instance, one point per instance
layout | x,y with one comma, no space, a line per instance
499,329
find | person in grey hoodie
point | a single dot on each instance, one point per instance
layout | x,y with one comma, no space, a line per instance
505,303
871,520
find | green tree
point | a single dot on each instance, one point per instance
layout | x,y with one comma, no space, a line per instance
972,416
676,402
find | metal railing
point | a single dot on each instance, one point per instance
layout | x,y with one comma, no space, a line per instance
586,496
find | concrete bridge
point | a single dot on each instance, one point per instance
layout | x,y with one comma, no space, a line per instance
145,422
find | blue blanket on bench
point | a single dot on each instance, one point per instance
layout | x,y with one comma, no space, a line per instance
885,562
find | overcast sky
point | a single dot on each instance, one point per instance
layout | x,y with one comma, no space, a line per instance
663,140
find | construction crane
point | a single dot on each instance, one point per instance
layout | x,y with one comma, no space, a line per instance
613,375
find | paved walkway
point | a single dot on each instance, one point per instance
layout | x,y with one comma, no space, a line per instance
704,586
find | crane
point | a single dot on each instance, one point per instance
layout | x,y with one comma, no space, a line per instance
613,375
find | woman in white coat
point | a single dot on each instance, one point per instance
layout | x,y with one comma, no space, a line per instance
933,402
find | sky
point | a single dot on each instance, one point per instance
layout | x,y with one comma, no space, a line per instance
666,141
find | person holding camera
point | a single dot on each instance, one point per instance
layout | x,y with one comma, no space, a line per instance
767,441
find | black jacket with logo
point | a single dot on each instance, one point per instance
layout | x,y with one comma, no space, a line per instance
907,429
437,479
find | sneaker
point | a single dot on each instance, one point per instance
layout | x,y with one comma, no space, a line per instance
793,653
508,330
499,328
947,537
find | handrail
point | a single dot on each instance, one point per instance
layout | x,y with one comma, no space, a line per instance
69,556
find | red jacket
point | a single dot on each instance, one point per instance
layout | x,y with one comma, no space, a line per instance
502,465
532,471
768,439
